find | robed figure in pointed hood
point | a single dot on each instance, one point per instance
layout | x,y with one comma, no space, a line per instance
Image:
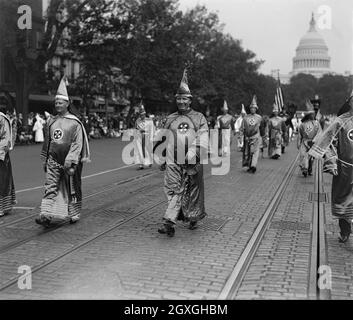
307,131
237,127
7,187
225,125
186,147
335,146
143,139
276,132
64,151
253,131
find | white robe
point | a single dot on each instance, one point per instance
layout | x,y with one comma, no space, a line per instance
237,127
38,129
144,157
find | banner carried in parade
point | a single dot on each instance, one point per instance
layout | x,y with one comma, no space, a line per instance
279,98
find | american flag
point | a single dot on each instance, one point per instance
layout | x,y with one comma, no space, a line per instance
279,99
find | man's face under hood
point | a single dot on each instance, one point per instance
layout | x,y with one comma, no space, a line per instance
183,103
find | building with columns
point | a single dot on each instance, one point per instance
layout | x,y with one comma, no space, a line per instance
312,54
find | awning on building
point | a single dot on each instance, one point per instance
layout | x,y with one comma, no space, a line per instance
42,97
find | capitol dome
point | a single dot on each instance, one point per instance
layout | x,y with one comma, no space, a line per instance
312,54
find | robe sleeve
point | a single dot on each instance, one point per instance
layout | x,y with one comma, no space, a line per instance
76,146
217,124
4,138
200,143
299,139
237,125
330,160
324,139
242,127
283,128
263,128
284,131
14,131
45,146
232,124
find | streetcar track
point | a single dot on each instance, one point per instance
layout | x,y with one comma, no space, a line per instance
83,243
101,208
318,255
233,283
41,232
322,294
112,187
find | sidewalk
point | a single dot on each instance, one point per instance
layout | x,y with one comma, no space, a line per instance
340,256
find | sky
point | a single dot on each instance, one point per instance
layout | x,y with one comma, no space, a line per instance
272,28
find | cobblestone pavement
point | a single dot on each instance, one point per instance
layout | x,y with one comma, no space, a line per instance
133,261
340,256
281,265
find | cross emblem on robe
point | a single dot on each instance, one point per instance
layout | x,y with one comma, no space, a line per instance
251,121
183,127
58,134
309,128
350,134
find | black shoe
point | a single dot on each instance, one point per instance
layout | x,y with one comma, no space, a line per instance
140,168
305,173
346,230
193,225
167,229
253,169
343,238
43,221
249,170
74,220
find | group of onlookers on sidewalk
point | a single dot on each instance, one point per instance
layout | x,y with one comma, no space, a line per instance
96,126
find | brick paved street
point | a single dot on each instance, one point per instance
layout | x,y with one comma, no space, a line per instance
133,261
145,263
281,265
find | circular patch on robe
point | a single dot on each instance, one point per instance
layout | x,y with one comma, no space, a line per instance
309,128
58,134
252,121
350,135
183,127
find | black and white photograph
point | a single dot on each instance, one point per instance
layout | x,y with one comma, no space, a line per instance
163,151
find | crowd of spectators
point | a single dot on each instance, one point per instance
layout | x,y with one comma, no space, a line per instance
99,125
96,125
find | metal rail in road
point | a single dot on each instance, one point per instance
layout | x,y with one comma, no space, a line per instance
318,256
233,283
85,242
111,187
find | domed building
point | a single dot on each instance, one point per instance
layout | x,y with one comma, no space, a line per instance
312,54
